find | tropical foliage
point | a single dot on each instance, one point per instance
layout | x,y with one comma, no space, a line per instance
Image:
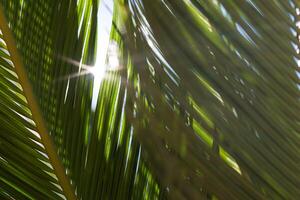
186,99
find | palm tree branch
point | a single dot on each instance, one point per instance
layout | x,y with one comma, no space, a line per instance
33,105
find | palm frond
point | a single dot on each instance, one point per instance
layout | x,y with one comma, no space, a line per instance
201,100
93,145
26,171
218,95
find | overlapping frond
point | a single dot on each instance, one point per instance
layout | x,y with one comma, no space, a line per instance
97,146
218,97
197,99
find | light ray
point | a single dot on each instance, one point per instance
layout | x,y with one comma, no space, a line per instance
104,26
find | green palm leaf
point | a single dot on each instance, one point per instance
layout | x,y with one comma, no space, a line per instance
228,69
87,142
193,99
25,167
